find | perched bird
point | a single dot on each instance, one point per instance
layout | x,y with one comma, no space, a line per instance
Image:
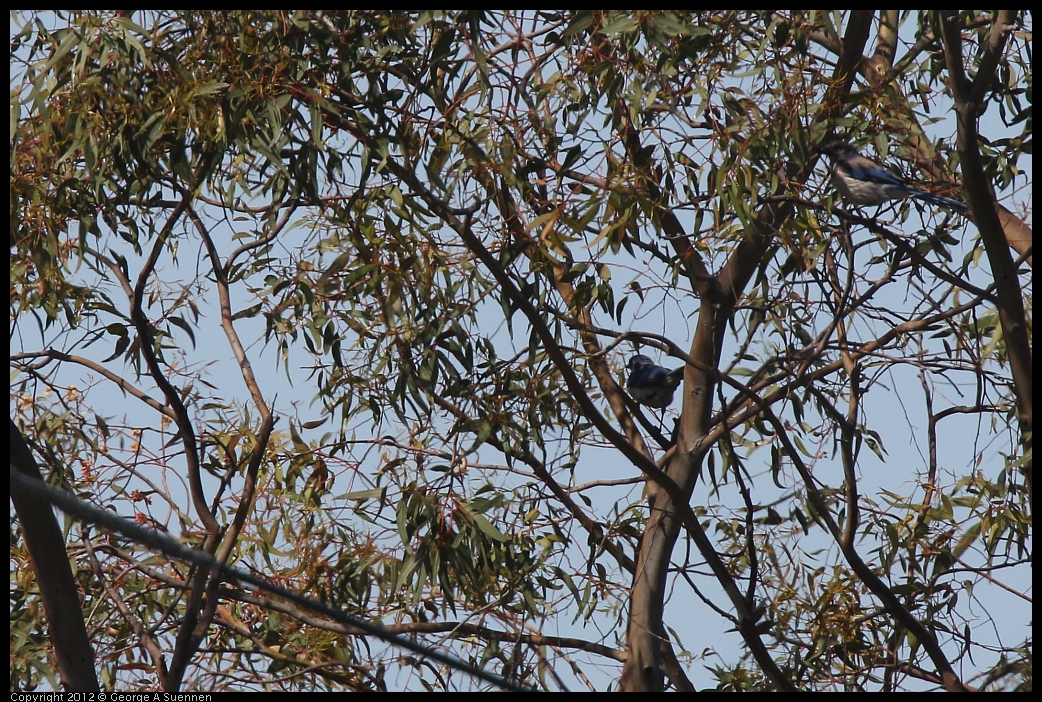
865,182
652,385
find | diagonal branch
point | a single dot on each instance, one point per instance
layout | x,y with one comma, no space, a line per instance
969,104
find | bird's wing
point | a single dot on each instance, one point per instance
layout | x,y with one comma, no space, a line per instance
863,169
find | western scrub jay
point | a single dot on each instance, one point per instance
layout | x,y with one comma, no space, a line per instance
652,385
864,182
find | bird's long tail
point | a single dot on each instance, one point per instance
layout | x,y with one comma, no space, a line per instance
942,201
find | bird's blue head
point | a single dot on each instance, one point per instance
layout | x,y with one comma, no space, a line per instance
839,149
639,361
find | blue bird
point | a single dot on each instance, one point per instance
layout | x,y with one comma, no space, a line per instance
652,385
864,182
